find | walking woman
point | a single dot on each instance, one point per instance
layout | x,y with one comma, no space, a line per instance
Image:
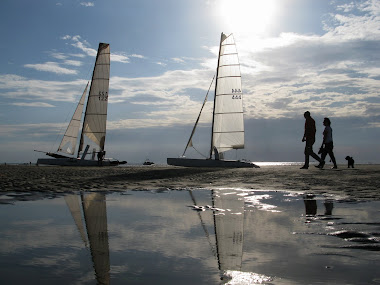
328,144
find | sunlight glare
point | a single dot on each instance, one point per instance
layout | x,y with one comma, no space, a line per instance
246,16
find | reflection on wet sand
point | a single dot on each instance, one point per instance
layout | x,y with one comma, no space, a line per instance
95,217
159,237
311,206
229,216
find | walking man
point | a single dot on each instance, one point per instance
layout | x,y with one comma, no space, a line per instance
309,137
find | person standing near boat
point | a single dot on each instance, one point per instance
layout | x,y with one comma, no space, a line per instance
309,137
328,144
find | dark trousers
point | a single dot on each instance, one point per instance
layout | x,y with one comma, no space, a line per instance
329,150
309,152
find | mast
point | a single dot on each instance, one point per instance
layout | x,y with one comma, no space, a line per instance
222,37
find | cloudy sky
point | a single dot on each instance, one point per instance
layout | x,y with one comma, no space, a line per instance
295,55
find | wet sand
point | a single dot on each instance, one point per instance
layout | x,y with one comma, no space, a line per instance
362,182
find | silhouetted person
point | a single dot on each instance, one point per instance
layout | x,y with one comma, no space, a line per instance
101,154
309,137
328,144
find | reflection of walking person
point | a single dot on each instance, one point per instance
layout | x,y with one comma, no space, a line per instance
329,206
309,137
310,205
328,144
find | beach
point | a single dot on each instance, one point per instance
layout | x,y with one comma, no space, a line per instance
362,182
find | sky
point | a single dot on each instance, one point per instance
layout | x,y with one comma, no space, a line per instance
295,55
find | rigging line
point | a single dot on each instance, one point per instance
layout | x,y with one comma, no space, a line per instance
196,122
199,152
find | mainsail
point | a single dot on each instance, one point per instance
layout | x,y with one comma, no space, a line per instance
228,122
69,140
94,125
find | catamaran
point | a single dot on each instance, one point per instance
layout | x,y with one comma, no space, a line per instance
94,122
228,122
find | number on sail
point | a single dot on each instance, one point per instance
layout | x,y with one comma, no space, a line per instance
103,96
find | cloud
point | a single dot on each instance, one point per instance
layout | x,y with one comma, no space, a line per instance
119,58
137,56
35,129
73,62
178,60
51,67
334,74
85,47
18,87
34,104
87,4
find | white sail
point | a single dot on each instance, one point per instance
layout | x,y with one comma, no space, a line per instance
94,125
228,122
229,230
69,140
72,202
95,215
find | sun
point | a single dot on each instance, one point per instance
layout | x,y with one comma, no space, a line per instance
246,16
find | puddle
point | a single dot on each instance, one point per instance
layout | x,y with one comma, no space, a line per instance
225,236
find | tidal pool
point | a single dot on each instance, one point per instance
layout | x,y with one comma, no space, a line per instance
225,236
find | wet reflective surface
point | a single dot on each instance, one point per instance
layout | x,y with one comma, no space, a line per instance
224,236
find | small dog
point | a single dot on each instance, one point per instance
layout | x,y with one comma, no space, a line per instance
350,161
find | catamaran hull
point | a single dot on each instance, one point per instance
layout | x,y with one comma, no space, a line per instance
190,162
76,162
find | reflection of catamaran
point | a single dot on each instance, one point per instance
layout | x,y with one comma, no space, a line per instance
229,231
229,218
95,217
94,122
228,122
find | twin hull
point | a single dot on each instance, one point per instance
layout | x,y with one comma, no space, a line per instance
190,162
75,162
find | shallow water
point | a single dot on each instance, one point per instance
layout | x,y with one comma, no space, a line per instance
188,237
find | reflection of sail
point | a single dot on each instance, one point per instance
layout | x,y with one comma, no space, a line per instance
229,229
94,209
72,202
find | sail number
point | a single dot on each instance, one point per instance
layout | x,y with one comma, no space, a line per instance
103,96
236,96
